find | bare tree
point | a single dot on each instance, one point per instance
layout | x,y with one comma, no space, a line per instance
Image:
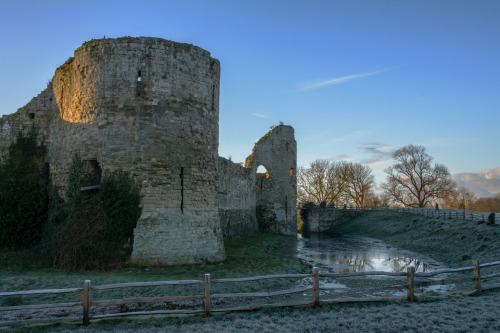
378,200
488,204
459,198
319,183
357,182
413,181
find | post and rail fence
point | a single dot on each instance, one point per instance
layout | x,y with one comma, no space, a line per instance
205,300
450,214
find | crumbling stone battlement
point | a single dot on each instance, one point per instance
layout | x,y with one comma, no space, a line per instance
151,107
277,191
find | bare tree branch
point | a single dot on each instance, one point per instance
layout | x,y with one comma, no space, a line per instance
412,181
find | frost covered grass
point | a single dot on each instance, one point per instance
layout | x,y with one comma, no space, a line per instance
246,256
463,314
453,242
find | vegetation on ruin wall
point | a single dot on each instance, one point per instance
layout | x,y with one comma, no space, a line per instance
249,159
24,178
87,231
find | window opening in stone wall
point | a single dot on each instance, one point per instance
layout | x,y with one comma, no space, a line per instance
31,115
139,83
94,171
262,174
287,146
291,171
182,189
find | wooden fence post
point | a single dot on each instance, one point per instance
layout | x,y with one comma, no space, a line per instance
207,294
315,277
477,276
86,302
410,277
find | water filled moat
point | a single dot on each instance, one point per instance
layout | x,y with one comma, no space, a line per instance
350,253
353,253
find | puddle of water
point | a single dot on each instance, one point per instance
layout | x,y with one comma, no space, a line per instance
353,253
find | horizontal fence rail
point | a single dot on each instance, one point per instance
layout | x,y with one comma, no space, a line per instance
205,301
450,214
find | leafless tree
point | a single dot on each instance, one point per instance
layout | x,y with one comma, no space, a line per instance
488,204
413,181
357,182
459,198
377,200
319,183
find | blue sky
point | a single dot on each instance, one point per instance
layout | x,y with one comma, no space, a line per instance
356,79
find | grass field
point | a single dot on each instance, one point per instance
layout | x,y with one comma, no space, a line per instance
246,256
452,242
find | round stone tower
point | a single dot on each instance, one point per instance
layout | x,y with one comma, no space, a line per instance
151,107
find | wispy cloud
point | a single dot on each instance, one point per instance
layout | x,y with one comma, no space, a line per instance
259,115
377,151
312,85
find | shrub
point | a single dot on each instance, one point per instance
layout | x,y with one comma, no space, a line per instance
94,226
24,179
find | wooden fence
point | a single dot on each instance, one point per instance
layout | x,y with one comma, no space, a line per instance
450,214
86,303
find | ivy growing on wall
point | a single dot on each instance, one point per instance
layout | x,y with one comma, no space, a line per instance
94,228
24,179
89,229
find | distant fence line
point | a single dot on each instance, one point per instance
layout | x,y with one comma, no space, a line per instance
450,214
86,302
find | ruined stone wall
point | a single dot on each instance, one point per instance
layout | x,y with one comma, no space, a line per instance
151,107
38,113
237,199
321,219
277,194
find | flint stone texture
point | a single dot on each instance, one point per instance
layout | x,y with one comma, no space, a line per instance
150,106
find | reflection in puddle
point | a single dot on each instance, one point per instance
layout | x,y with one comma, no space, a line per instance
352,253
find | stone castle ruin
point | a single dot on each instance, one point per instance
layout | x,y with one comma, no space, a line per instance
151,107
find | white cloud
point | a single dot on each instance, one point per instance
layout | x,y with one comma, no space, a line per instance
312,85
259,115
483,184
